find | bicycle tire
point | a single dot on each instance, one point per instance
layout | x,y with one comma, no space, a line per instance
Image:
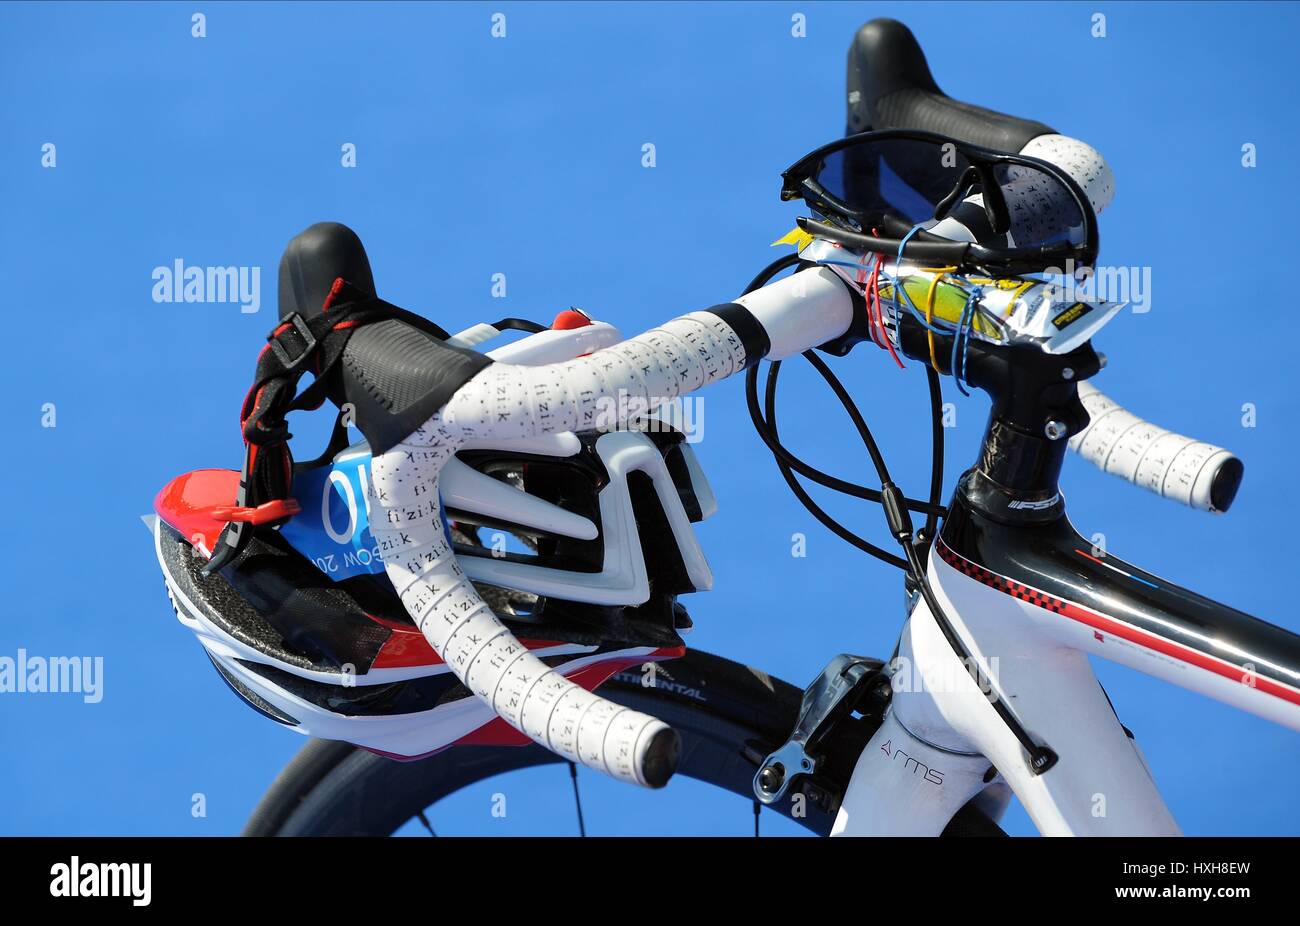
726,713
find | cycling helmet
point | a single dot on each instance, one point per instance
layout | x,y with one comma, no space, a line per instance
580,542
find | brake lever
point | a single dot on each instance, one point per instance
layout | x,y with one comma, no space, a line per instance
829,698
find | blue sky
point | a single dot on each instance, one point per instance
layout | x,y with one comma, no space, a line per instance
522,155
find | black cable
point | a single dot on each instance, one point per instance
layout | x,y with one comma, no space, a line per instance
896,506
771,270
868,440
1041,757
519,324
783,455
577,799
835,527
936,449
933,509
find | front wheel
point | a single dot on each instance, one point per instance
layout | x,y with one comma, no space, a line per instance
728,715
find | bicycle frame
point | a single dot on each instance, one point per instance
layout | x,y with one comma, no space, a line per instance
1032,601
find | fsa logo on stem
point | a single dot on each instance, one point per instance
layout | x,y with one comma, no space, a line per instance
932,775
1041,505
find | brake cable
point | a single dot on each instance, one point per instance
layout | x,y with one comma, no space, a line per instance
774,370
933,509
895,504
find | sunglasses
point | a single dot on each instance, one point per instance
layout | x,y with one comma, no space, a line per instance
1009,213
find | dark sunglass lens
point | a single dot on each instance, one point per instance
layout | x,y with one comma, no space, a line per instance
898,177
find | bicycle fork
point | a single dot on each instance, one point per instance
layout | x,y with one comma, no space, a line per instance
903,786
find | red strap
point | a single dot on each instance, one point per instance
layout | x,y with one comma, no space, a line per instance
335,288
265,513
880,315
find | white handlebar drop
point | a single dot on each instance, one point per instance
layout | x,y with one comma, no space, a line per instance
483,653
513,401
1193,472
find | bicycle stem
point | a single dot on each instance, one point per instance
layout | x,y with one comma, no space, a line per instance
1035,409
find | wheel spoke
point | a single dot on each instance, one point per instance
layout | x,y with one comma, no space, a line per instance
757,809
425,820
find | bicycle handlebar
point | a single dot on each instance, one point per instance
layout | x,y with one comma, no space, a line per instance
513,401
1118,442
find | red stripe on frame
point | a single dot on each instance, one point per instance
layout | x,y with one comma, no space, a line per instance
1097,621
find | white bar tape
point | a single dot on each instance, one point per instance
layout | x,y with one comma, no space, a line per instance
1190,471
518,402
1081,161
509,401
1029,203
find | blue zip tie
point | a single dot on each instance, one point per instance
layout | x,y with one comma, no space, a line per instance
896,286
952,360
906,238
961,339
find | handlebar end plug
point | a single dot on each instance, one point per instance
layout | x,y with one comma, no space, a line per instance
661,757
